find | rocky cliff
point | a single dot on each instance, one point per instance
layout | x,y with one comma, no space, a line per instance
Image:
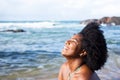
105,20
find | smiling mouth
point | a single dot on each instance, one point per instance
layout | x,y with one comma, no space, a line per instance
65,48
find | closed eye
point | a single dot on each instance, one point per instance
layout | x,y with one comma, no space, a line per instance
74,40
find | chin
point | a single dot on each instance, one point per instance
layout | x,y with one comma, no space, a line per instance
69,56
66,55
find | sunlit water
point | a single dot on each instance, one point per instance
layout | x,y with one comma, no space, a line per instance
36,53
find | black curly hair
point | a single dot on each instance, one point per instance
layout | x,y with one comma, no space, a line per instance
94,44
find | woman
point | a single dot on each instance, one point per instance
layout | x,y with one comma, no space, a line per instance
85,52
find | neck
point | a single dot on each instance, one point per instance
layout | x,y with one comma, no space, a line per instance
74,63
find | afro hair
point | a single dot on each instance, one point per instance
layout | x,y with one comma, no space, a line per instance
94,44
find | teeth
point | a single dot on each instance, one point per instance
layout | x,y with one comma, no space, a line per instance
65,47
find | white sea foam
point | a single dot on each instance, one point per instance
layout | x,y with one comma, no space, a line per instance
28,25
43,24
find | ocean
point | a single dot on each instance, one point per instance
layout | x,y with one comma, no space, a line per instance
35,54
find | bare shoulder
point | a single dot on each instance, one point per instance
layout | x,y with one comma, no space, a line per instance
86,74
83,74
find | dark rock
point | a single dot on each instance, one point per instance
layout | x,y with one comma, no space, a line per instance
15,31
105,20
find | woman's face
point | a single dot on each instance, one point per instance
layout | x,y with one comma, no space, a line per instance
72,46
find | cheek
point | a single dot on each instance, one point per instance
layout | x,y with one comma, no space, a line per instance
72,50
73,47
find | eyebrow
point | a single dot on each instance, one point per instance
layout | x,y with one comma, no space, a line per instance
75,40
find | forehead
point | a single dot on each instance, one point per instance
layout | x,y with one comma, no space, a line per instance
77,37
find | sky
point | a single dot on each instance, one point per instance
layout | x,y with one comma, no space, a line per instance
18,10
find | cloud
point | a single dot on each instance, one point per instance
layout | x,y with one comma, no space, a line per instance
57,9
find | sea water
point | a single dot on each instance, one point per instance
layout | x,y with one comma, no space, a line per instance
36,53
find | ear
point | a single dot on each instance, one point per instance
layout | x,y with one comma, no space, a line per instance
83,53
